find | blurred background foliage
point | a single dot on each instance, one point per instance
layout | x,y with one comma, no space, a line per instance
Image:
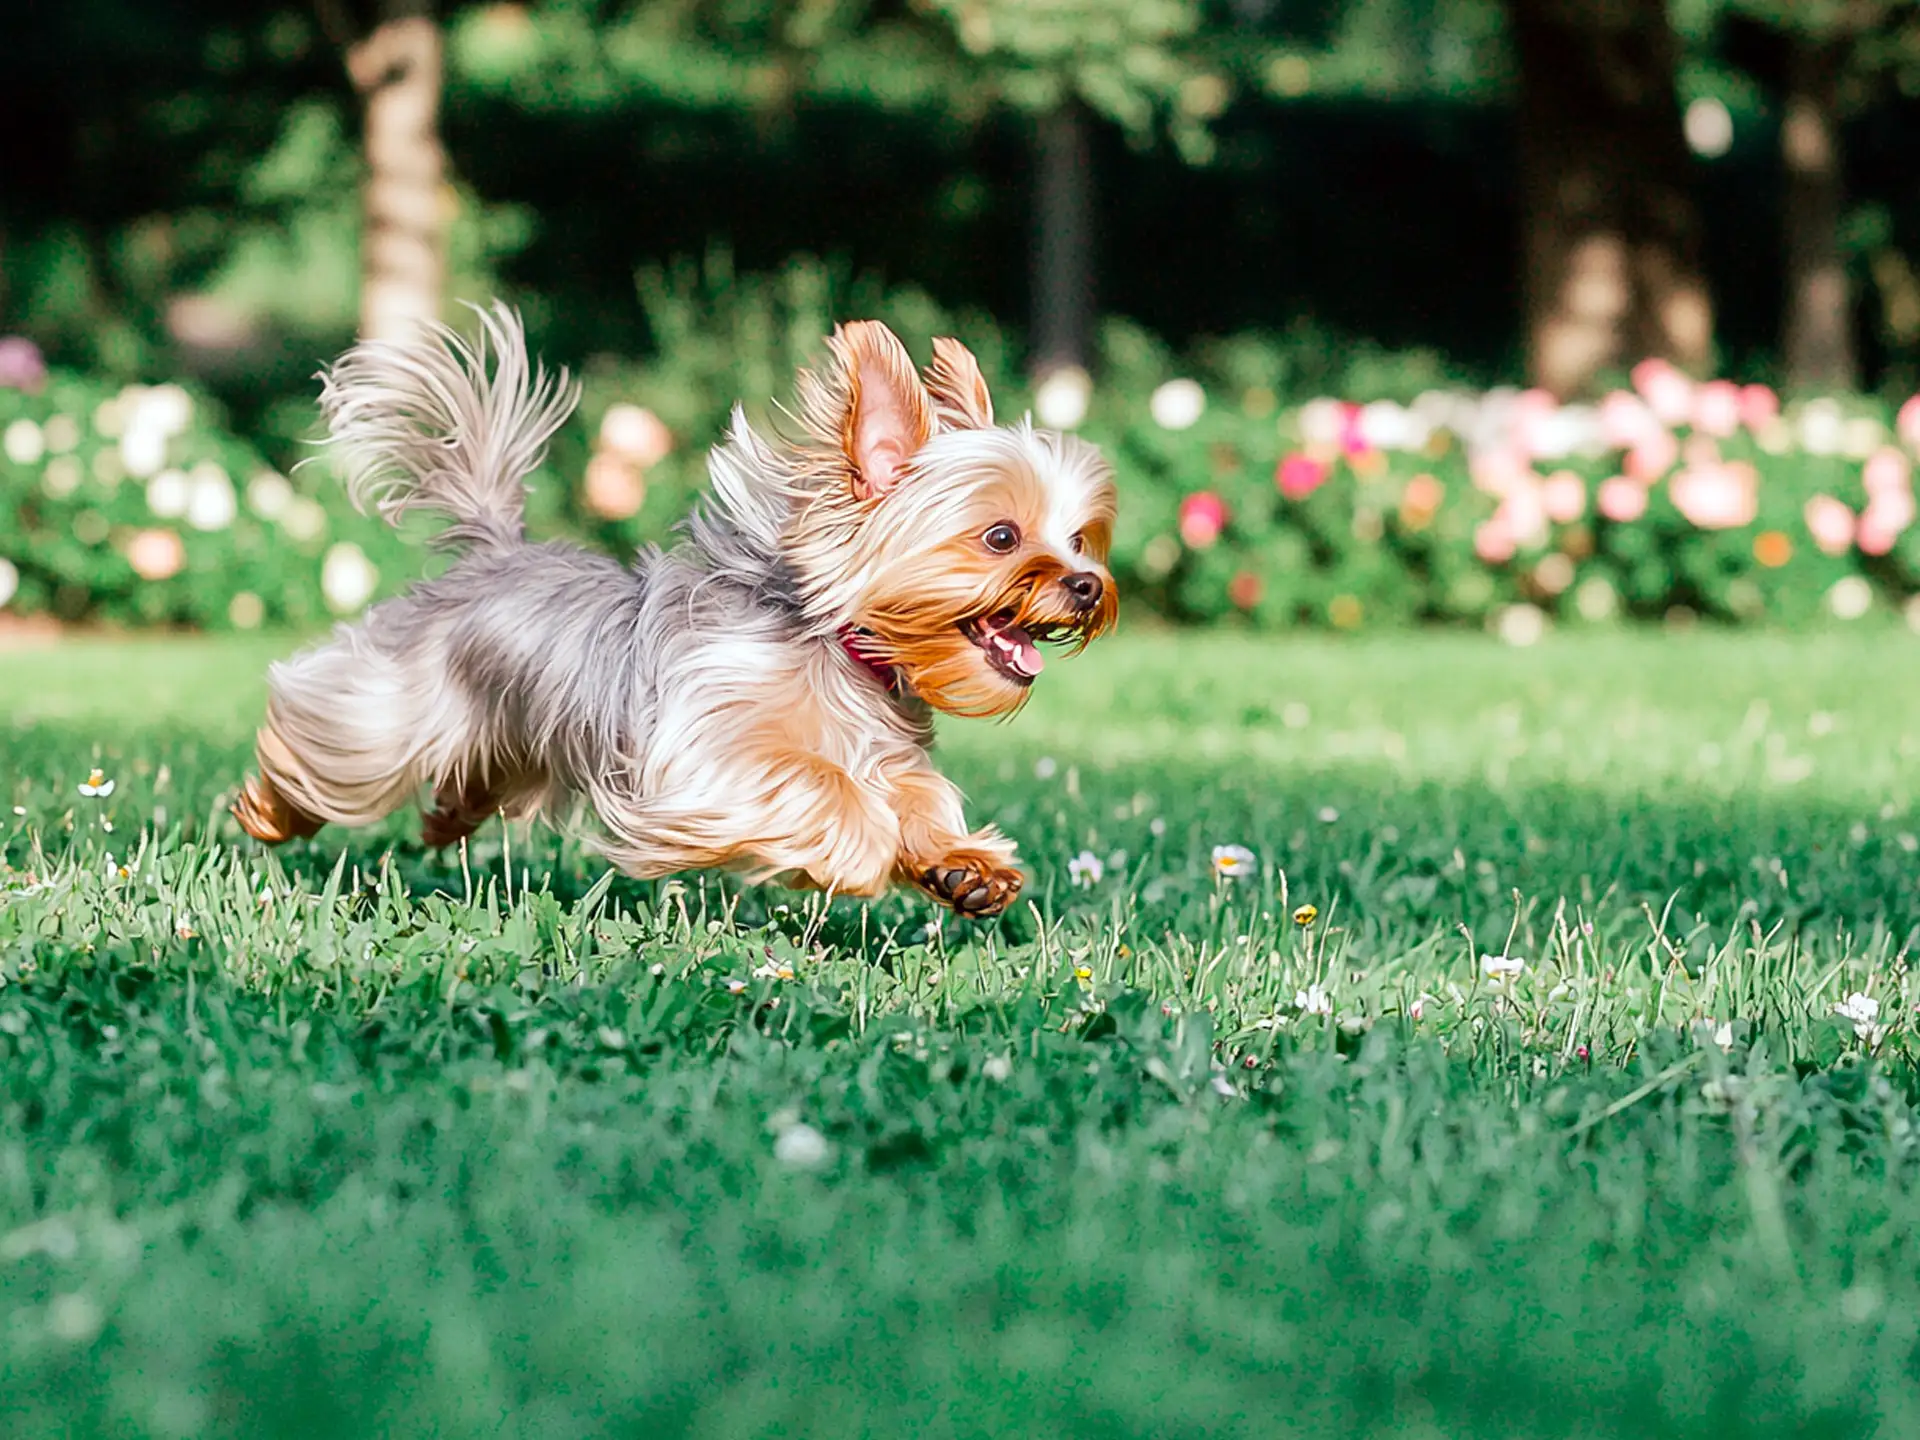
1286,198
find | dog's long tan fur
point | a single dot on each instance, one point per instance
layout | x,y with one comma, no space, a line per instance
759,697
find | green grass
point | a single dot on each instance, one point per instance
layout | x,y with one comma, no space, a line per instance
354,1140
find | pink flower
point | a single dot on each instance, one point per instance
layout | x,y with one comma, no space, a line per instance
1524,514
1499,472
1700,452
1716,408
1830,522
1759,407
1886,473
156,554
1621,499
1668,393
1352,441
1907,423
1563,495
1883,521
1300,475
1493,541
1652,456
1625,419
1203,515
1717,497
21,365
613,487
1422,495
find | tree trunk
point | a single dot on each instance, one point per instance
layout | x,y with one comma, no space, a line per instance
1819,319
1063,263
396,67
1611,236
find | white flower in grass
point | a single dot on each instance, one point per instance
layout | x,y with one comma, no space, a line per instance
773,969
802,1147
1085,870
97,785
9,580
347,578
1862,1011
1314,1000
1230,862
1717,1032
1501,968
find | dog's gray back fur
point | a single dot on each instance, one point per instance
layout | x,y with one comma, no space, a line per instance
529,669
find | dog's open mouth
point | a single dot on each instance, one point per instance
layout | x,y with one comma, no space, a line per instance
1010,648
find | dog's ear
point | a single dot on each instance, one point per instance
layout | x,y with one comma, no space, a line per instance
887,415
959,390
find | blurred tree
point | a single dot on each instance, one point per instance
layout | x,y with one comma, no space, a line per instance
1061,64
393,57
1824,61
1612,239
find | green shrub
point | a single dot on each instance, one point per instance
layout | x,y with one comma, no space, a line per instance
1242,500
136,506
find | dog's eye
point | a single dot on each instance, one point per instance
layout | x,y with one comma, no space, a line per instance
1078,544
1002,538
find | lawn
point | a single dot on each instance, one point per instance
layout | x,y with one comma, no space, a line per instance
1545,1122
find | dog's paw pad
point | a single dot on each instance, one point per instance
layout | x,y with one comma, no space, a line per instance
973,885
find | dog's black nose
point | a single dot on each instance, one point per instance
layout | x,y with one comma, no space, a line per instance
1085,588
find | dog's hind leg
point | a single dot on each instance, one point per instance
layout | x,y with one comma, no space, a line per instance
263,811
459,809
352,734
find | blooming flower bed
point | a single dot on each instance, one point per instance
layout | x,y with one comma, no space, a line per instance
1670,499
135,505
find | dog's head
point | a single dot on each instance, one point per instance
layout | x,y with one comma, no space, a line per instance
953,546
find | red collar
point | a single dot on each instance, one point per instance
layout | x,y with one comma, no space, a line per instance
887,675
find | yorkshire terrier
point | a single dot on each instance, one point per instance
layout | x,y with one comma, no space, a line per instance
758,697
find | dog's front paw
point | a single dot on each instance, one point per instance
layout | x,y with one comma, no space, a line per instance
973,883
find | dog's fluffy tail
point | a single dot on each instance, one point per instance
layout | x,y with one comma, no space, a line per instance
421,424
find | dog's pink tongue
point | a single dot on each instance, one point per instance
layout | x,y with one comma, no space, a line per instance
1024,654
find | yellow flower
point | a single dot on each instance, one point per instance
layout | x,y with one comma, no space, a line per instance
1306,915
1081,972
